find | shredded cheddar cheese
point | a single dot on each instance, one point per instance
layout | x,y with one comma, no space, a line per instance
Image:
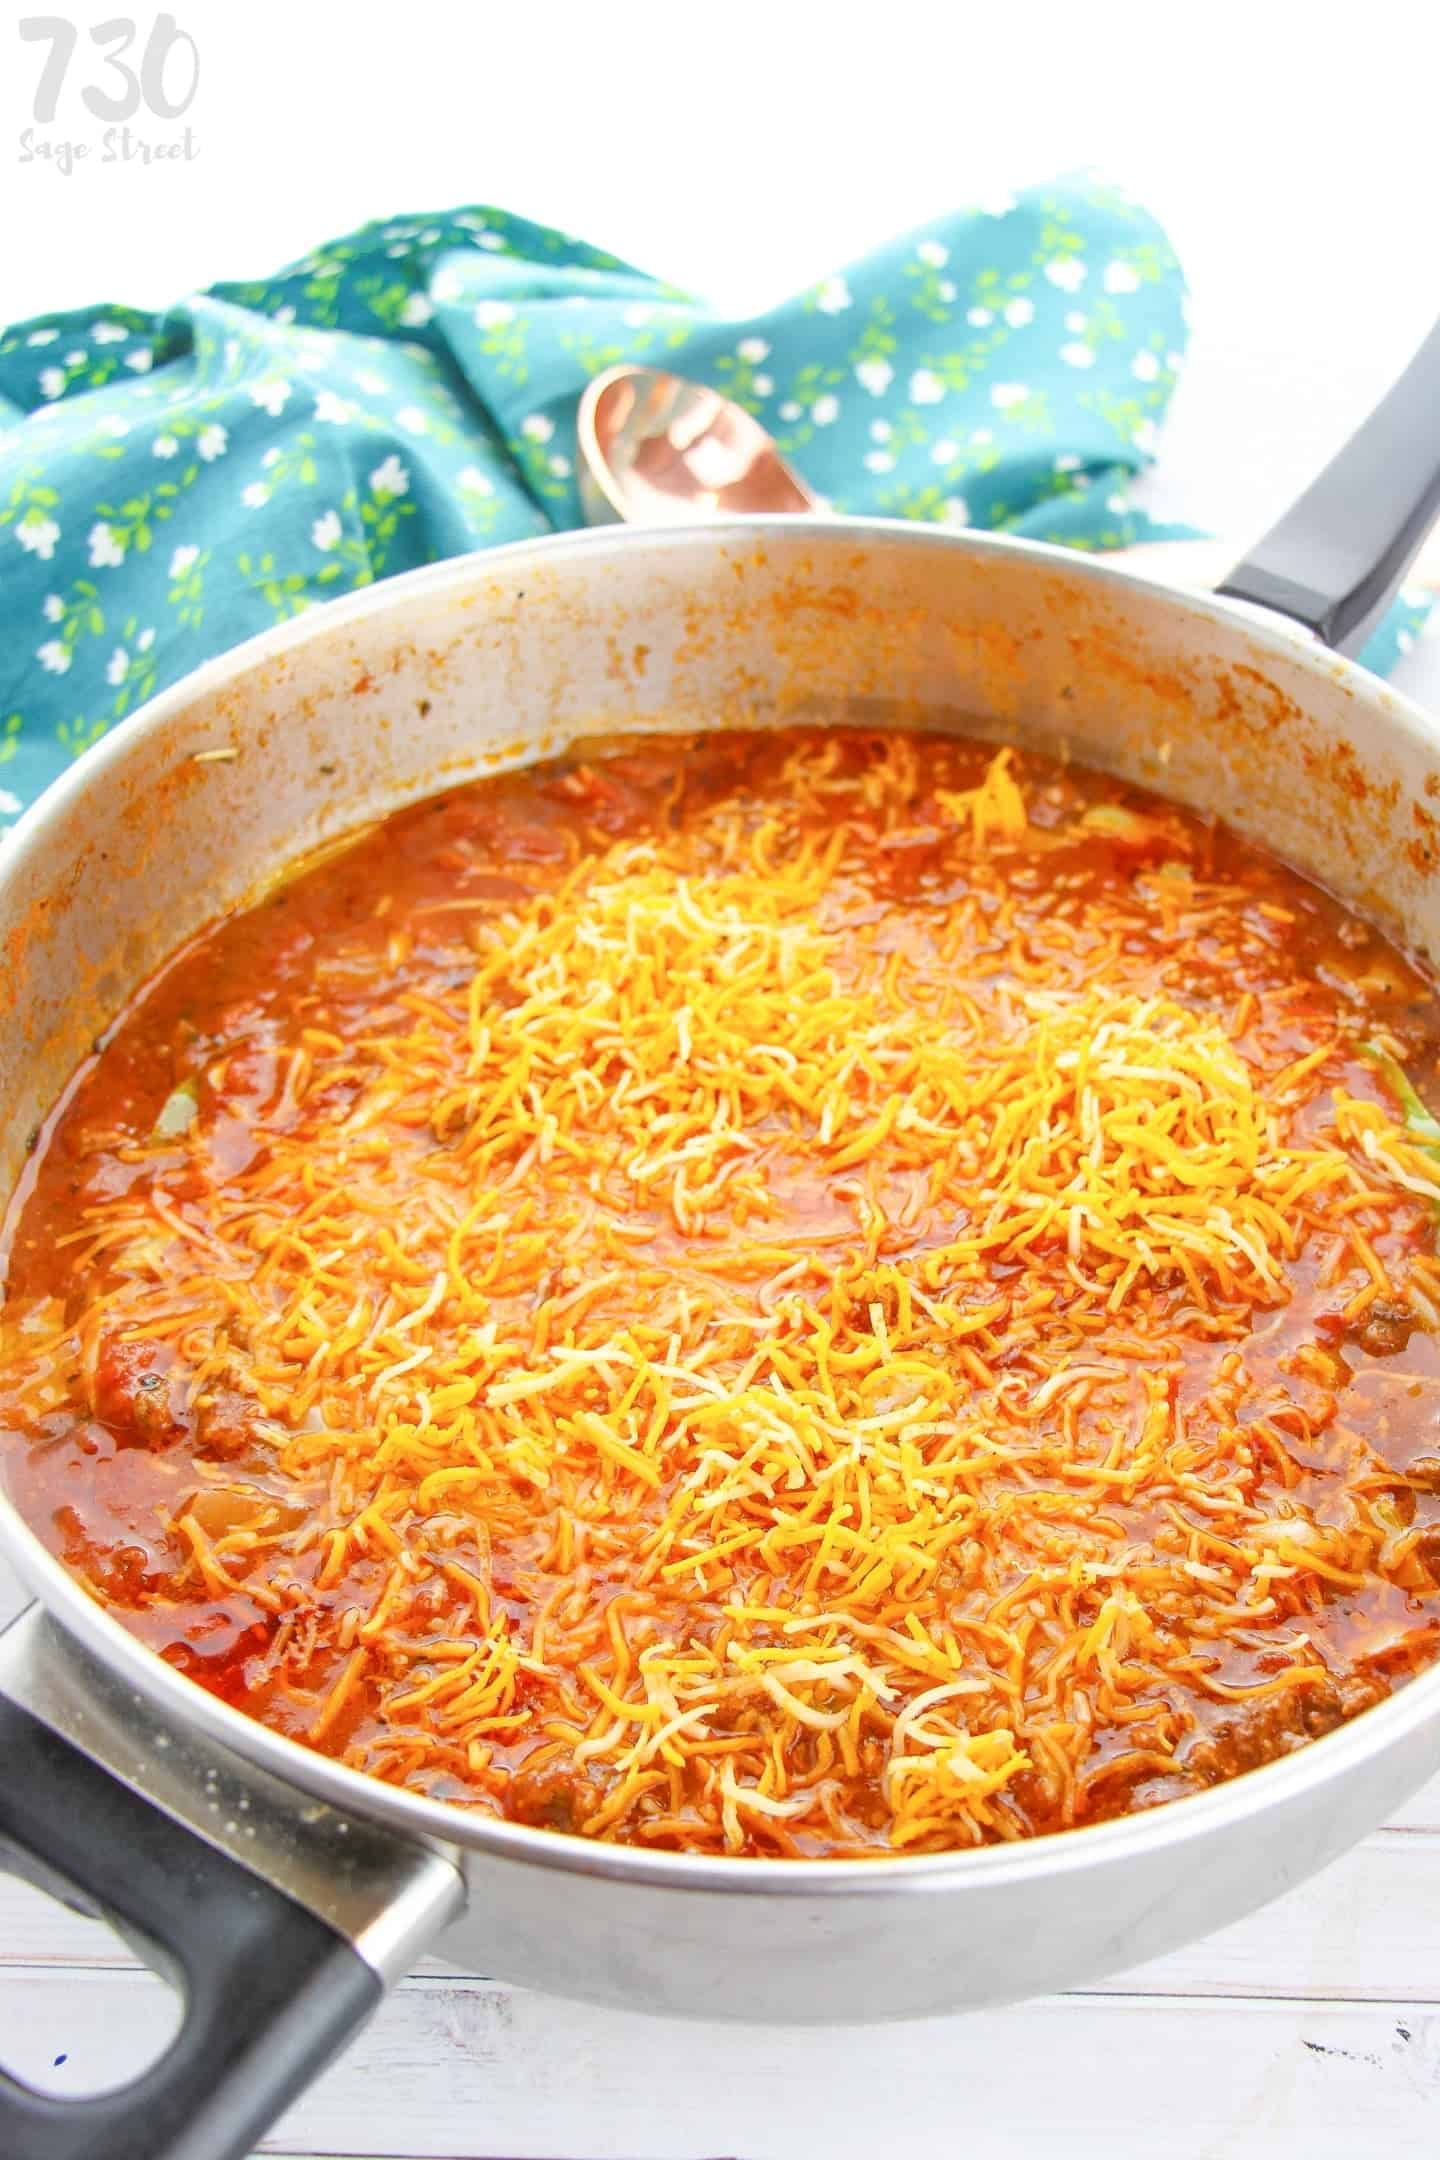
772,1357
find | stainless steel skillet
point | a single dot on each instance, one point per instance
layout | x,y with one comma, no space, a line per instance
288,1890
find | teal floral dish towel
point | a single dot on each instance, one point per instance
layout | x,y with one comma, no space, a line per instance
171,484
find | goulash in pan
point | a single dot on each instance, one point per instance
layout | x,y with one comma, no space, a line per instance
803,1293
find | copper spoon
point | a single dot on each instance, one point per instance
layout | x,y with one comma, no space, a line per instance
655,449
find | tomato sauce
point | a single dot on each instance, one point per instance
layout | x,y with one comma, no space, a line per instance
798,1293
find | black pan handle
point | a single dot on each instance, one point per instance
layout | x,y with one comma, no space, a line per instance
1336,558
271,1991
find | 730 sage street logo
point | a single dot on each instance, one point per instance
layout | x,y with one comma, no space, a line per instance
119,72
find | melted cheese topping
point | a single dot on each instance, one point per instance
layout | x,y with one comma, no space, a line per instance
779,1371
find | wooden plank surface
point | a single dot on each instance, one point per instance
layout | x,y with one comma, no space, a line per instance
465,2069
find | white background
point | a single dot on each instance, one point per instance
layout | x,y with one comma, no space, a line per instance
1292,150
